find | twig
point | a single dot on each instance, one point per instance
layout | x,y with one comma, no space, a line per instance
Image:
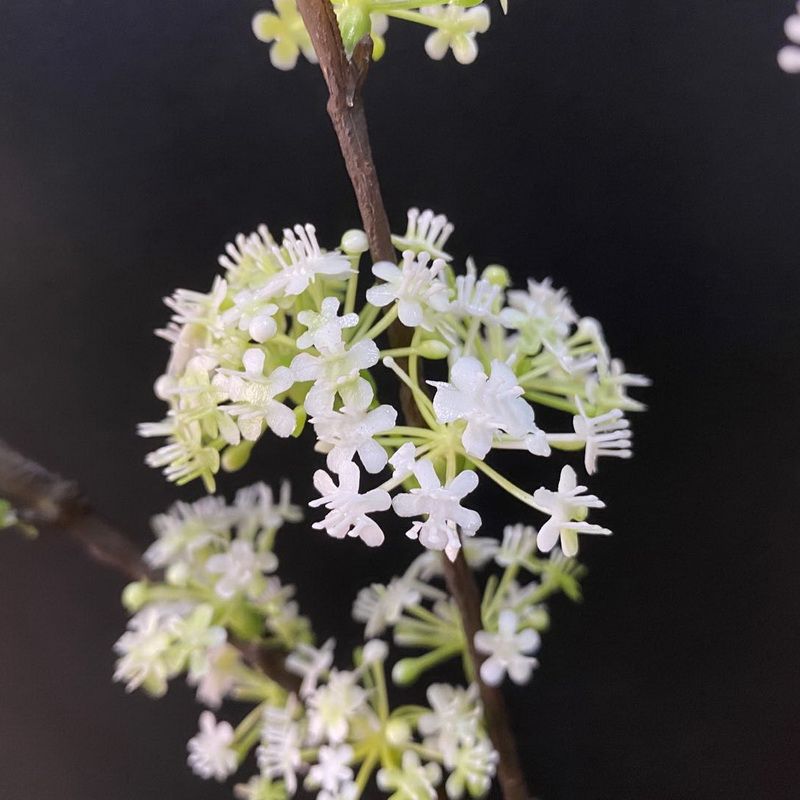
346,109
47,500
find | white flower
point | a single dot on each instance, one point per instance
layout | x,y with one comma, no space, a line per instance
453,719
301,260
252,312
412,780
609,387
473,767
248,256
324,327
341,434
336,371
287,32
144,650
332,707
475,298
310,663
278,755
442,505
543,315
218,679
253,395
508,651
332,768
378,605
347,508
255,509
789,56
196,308
606,435
489,405
417,288
403,460
195,638
426,232
519,542
210,754
241,569
568,507
456,30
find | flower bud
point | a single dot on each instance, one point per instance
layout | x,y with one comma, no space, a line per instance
398,732
497,275
354,23
406,671
234,458
354,242
433,349
134,596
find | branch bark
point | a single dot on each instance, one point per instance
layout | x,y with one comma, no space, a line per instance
344,79
47,500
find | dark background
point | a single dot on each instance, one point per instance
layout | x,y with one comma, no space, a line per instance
644,154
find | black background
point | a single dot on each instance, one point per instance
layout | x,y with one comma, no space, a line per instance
644,154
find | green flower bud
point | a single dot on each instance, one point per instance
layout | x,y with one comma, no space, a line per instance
497,275
301,416
433,349
134,596
398,732
406,671
354,24
235,457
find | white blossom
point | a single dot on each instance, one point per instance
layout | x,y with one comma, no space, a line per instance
255,509
413,780
332,768
144,652
442,506
567,506
324,328
473,767
301,260
457,27
253,395
332,707
347,508
350,430
609,386
252,312
475,298
425,232
508,651
789,56
310,663
278,755
378,605
416,287
453,719
241,569
216,681
543,315
286,32
519,542
489,405
210,754
605,435
336,371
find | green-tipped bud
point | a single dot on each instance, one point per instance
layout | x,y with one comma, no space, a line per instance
300,416
433,349
354,23
354,242
398,732
134,596
537,618
406,671
497,275
235,457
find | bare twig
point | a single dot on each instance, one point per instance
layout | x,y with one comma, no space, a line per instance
47,500
346,109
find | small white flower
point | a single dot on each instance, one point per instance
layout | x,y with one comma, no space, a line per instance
567,506
310,663
609,387
519,542
287,33
332,768
425,232
341,434
378,605
508,651
412,780
248,256
416,287
442,506
255,509
489,405
453,719
210,754
241,569
336,371
789,56
543,315
333,706
196,308
473,767
606,435
475,298
214,684
301,260
252,312
324,327
144,652
347,508
278,755
457,29
253,395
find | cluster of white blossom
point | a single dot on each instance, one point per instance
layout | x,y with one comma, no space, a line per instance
217,562
789,56
453,26
279,340
513,610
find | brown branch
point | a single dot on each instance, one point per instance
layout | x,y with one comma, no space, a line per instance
47,500
346,109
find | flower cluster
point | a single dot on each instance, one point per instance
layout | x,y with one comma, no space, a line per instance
279,342
452,25
789,56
